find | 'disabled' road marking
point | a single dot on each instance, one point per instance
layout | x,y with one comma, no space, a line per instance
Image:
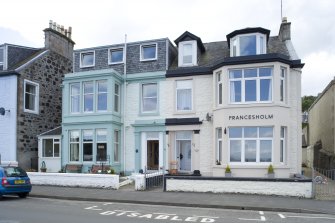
312,217
281,216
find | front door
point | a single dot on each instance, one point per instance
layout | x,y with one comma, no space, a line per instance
152,154
184,154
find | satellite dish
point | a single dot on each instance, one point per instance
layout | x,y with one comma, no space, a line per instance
2,111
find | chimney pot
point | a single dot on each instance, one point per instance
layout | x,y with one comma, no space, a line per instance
58,28
50,24
70,32
54,26
62,29
284,19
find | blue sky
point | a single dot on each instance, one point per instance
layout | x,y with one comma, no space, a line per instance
105,22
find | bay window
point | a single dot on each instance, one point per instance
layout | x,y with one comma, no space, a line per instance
184,95
250,85
250,144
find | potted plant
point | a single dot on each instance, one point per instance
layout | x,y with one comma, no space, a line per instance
271,172
43,167
228,171
218,162
173,167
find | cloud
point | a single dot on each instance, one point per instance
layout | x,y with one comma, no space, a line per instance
13,37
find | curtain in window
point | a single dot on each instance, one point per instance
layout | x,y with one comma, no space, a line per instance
184,99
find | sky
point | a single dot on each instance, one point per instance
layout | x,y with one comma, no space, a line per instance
105,22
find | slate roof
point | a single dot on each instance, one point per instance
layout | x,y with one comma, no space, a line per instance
216,52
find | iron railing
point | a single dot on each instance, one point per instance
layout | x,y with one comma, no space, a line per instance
324,184
154,178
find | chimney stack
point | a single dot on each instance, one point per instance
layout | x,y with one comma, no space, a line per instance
58,39
285,30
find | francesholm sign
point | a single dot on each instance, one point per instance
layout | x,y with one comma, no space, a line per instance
250,117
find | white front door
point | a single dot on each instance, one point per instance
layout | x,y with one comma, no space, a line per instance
185,154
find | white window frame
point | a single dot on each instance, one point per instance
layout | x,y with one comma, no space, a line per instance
117,95
257,139
116,146
110,50
218,154
235,44
81,59
142,98
283,77
282,151
84,94
101,141
181,53
219,82
89,142
37,97
102,92
244,79
79,146
176,95
146,45
54,142
71,95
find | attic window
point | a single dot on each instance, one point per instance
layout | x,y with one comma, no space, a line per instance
248,44
149,52
87,59
187,53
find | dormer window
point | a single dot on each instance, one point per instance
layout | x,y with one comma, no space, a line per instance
248,44
187,53
87,59
115,55
149,52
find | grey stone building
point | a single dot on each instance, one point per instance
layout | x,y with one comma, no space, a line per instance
31,95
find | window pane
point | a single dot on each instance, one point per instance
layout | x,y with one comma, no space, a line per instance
184,135
281,90
88,151
250,73
30,101
87,59
219,155
101,151
265,132
220,93
116,146
282,132
250,132
187,53
102,102
102,86
149,104
1,55
250,150
184,99
265,90
219,131
281,150
265,150
74,136
265,72
75,101
150,90
74,152
149,52
116,97
56,150
75,89
30,88
88,88
235,91
87,136
116,55
235,132
235,150
88,103
235,74
47,147
101,135
261,43
250,90
247,45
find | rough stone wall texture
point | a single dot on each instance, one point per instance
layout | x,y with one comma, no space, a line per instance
134,65
17,54
48,72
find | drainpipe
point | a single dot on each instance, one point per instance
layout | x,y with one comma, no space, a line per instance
124,102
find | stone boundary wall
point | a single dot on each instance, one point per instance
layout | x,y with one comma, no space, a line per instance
281,187
110,181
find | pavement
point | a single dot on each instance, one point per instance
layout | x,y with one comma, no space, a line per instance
127,194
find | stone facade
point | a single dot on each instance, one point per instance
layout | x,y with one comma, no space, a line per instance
48,72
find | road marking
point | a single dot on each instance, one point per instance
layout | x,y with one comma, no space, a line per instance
164,214
93,208
262,217
107,203
281,216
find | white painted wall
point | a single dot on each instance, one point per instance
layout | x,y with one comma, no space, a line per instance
75,180
294,189
8,100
